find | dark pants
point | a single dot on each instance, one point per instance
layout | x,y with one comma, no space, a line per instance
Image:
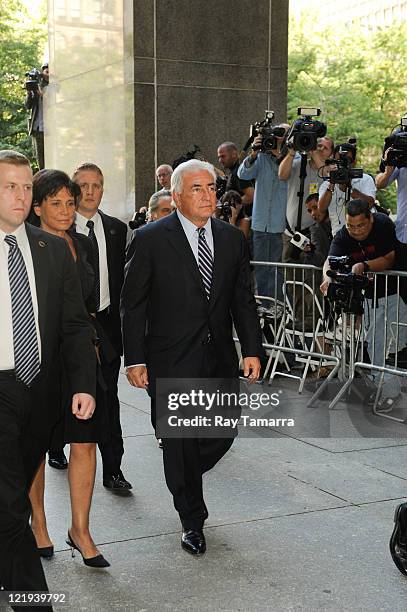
112,448
187,459
401,264
38,147
20,454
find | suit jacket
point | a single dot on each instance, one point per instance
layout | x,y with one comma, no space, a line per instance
166,315
63,322
115,236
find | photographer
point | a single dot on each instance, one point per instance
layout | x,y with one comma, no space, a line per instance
35,84
369,240
228,157
230,209
269,211
289,171
390,172
333,195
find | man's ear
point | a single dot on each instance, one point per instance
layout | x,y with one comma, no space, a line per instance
175,197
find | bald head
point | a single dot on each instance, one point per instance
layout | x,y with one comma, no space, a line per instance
228,154
163,174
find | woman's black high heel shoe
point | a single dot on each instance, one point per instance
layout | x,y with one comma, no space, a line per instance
98,561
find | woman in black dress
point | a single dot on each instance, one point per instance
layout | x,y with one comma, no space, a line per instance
54,204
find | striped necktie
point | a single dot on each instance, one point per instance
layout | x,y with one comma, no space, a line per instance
26,353
205,261
95,250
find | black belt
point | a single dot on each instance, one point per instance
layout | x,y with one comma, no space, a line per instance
105,311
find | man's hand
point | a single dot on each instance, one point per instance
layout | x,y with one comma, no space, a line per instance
358,268
256,144
83,406
324,286
251,369
137,376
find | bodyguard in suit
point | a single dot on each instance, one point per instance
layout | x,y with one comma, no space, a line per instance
108,237
41,310
187,281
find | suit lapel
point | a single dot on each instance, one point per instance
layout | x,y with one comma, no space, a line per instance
110,245
40,257
220,250
179,241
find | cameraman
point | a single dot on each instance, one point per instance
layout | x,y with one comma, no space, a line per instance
369,239
332,197
269,211
289,171
34,103
228,157
388,174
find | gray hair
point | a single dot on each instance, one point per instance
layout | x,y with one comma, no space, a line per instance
189,167
155,199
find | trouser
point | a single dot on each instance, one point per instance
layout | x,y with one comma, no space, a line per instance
268,247
38,148
401,264
187,459
20,454
112,448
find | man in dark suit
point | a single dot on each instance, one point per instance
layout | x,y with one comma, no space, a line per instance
41,312
188,278
108,236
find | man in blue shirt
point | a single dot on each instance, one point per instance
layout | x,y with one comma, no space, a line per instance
269,213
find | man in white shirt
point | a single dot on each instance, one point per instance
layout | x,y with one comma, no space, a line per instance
332,196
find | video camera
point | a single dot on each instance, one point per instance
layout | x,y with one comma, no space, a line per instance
397,143
138,220
305,131
229,200
267,131
34,79
346,293
344,173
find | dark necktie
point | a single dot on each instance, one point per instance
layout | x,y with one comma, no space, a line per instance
26,353
205,261
95,250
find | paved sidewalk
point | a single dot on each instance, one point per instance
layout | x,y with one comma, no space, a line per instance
295,524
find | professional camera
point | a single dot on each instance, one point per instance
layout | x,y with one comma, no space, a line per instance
229,200
267,131
344,173
221,184
305,131
138,220
34,79
397,141
346,292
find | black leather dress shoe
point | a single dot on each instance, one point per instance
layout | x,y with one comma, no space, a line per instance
193,541
398,540
58,460
117,482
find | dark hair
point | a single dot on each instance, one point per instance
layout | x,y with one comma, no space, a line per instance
14,158
48,182
87,166
312,196
358,207
346,146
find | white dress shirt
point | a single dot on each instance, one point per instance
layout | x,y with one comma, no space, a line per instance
82,228
6,343
191,232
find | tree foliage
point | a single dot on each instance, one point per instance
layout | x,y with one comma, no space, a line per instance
21,44
358,79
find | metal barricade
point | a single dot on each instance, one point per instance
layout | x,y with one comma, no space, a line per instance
299,331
